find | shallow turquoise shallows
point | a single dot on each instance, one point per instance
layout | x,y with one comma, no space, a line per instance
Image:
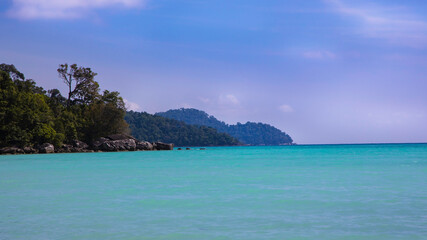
289,192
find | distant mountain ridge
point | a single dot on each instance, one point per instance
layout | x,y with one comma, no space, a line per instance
250,133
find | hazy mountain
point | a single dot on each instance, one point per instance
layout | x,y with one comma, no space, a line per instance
249,133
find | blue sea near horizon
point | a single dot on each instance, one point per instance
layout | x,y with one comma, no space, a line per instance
283,192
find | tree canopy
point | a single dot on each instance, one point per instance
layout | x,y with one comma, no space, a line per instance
145,126
29,115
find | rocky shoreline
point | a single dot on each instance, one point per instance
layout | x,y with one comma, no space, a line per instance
111,143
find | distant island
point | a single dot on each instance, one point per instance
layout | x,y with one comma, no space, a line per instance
249,133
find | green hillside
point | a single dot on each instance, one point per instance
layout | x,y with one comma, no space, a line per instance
152,128
249,133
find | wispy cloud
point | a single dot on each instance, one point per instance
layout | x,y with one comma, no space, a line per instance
63,9
131,106
286,108
391,24
204,100
228,99
318,55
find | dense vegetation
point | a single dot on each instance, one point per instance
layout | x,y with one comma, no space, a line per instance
29,115
153,128
249,133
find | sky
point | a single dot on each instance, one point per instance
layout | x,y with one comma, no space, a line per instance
323,71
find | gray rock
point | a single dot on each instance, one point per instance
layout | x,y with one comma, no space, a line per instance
76,150
119,137
107,146
11,150
163,146
29,150
122,142
145,146
79,144
65,148
118,145
128,144
46,148
97,144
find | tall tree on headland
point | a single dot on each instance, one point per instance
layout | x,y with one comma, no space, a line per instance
67,75
99,114
30,116
85,88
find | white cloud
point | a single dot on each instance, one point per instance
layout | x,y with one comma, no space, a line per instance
394,25
286,108
204,100
228,99
63,9
131,106
318,55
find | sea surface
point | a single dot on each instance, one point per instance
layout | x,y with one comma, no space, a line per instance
286,192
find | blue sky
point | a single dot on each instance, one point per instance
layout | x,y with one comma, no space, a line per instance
324,71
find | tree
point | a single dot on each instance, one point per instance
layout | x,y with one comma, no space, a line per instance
12,71
29,86
145,126
85,88
86,91
30,116
105,116
25,116
67,76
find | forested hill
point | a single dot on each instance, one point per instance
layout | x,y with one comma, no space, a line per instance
152,128
249,133
30,116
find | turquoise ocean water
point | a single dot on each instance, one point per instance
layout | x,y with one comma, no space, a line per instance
289,192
